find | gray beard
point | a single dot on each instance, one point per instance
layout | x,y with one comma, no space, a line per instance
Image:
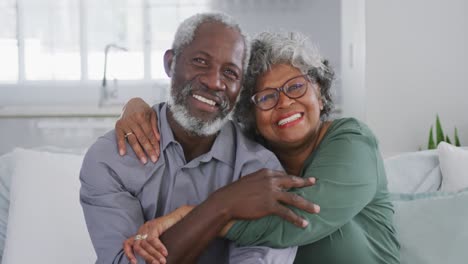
177,104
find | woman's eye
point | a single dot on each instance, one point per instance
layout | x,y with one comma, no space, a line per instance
267,97
295,87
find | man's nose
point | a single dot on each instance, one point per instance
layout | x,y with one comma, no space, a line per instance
213,79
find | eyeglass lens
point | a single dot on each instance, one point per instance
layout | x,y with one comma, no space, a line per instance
293,88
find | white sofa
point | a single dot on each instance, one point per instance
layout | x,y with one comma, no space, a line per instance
41,220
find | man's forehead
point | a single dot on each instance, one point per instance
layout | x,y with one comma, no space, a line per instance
213,30
212,37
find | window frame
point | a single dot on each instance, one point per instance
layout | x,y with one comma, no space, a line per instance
27,92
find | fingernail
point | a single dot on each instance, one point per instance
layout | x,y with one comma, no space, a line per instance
312,179
143,160
316,208
304,223
162,260
153,158
121,152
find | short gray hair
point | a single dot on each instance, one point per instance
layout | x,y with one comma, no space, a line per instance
186,32
291,48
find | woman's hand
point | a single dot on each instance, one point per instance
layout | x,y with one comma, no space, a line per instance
148,245
137,125
263,193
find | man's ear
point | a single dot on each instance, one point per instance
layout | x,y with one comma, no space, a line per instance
168,60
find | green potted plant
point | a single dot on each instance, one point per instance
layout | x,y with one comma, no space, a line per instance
440,136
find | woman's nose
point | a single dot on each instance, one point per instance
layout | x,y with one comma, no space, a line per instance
283,100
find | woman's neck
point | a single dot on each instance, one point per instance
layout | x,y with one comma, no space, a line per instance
293,157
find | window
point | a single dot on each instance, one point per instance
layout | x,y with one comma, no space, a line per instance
8,42
165,17
53,51
65,40
51,39
120,23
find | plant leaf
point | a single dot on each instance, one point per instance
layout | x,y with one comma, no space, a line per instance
447,139
439,131
457,140
431,144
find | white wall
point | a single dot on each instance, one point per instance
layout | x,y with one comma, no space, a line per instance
353,60
417,66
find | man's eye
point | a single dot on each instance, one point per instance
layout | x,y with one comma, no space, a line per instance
199,61
231,74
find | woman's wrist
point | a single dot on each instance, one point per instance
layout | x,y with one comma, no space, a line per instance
182,211
226,228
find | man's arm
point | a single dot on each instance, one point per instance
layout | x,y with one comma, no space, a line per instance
112,214
253,196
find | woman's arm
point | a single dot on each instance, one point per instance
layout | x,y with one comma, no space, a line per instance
148,245
137,125
347,178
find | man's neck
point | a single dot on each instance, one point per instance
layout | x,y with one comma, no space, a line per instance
192,144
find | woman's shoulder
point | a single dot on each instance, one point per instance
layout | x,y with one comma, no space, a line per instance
349,125
351,129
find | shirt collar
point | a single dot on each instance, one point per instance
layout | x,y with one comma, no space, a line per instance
164,128
224,148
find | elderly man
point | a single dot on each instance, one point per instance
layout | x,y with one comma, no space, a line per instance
201,151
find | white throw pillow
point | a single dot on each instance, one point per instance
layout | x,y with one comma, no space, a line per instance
431,227
413,172
46,222
7,164
454,165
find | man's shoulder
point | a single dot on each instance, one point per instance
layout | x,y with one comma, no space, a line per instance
104,151
104,148
248,149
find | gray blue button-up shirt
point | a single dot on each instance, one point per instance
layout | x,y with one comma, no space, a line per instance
119,194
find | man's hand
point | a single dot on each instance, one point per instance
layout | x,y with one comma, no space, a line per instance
137,125
264,193
148,245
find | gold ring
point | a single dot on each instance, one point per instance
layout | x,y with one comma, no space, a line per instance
141,237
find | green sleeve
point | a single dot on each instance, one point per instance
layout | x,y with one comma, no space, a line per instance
345,165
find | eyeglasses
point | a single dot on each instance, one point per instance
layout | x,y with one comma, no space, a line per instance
293,88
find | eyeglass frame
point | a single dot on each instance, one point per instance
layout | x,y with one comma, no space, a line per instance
281,89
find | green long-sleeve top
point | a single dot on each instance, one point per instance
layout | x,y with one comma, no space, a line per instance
355,223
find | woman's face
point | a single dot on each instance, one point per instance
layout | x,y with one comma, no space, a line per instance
292,121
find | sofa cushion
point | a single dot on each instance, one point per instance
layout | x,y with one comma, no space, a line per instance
454,166
7,164
414,172
46,222
432,228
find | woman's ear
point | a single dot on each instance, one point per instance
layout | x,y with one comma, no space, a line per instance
319,97
168,60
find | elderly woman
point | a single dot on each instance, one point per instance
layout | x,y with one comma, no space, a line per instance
284,106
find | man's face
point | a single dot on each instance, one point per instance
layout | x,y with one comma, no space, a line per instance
207,78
